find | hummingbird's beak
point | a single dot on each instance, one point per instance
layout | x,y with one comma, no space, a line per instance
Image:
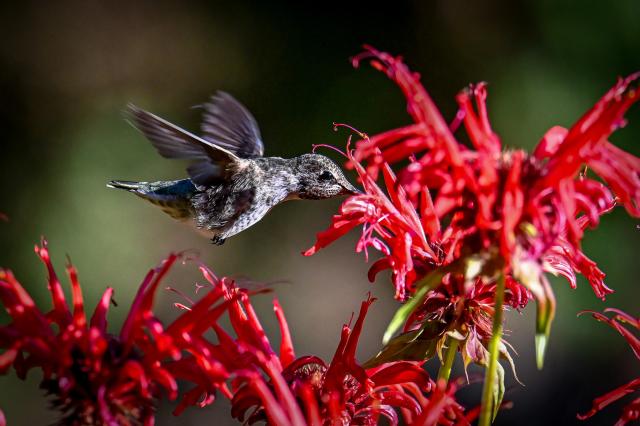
349,189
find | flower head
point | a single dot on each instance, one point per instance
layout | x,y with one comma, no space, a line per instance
280,388
453,312
96,377
519,214
341,391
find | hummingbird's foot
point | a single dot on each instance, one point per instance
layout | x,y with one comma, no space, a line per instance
217,240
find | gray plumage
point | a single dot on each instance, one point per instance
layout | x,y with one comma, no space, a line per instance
231,186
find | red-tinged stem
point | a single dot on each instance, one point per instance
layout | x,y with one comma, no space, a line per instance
450,356
486,413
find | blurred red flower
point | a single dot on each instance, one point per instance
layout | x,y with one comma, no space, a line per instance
95,377
631,411
98,378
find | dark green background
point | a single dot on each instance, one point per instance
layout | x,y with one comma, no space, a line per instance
68,69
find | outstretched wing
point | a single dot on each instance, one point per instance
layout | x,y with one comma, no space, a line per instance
228,124
211,161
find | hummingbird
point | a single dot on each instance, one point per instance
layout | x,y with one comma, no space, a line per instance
231,184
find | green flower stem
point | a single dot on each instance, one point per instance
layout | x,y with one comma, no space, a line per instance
450,356
486,413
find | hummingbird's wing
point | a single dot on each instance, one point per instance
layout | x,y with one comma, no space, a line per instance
228,124
211,163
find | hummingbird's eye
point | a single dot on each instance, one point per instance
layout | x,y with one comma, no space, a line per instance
326,176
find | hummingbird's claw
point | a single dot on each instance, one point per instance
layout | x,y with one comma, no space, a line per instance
217,240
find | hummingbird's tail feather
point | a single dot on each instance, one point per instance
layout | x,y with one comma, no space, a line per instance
173,197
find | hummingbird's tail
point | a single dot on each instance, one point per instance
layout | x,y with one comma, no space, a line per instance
173,197
125,184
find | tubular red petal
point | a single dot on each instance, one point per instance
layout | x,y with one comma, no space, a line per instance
105,412
164,378
477,124
197,315
21,307
428,217
435,408
610,397
144,298
79,317
550,143
632,340
624,317
354,336
189,398
512,205
273,369
311,405
419,103
338,229
60,312
8,356
401,372
256,331
630,413
99,318
287,353
588,134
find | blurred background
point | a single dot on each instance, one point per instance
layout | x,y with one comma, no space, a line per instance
68,70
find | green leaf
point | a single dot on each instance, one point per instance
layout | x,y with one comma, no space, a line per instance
423,287
504,352
498,392
404,347
417,345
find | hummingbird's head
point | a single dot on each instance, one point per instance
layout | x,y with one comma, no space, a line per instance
319,178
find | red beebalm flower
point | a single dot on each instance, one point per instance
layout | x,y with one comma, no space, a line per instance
96,377
454,311
631,411
99,378
306,390
448,202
